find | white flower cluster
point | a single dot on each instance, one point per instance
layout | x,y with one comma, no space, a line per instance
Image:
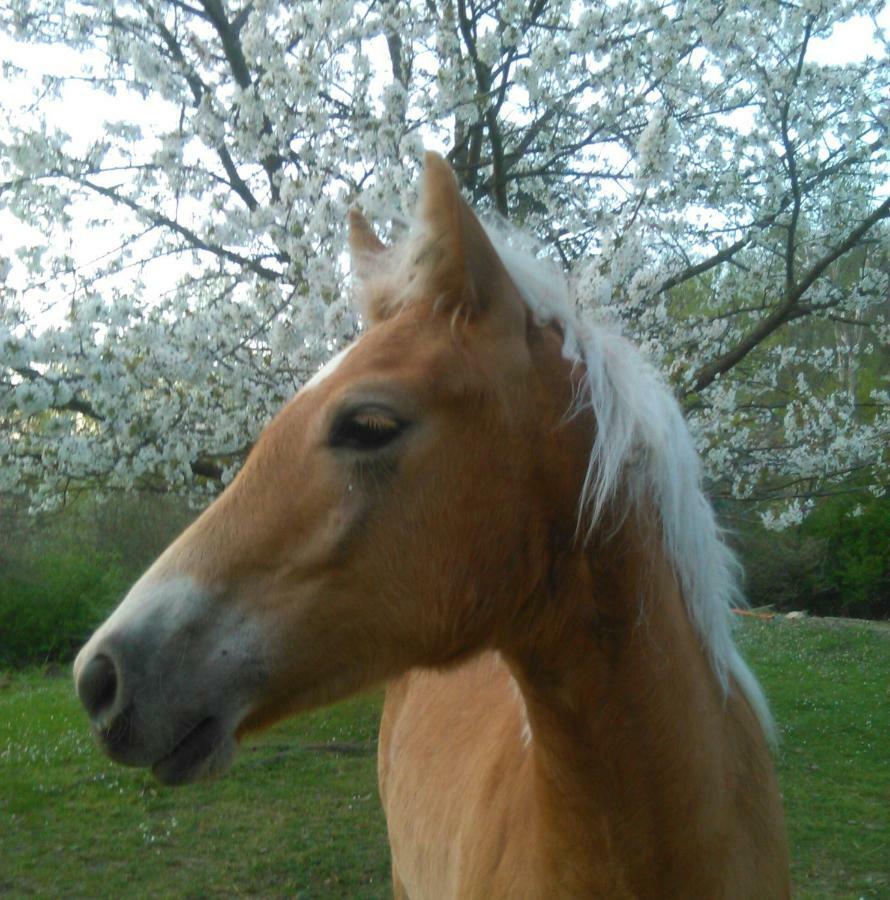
708,179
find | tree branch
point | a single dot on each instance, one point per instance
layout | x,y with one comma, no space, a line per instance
789,308
193,239
199,91
791,164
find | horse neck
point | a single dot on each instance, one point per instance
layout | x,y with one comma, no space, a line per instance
624,711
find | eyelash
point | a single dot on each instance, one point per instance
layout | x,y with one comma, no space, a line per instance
365,432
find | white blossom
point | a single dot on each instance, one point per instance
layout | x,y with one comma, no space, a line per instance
691,166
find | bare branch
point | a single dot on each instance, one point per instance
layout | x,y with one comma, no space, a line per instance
789,308
190,236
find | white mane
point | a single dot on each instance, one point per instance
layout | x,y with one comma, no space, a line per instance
642,442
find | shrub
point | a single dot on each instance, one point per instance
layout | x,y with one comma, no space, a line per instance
782,570
837,563
856,561
51,600
62,573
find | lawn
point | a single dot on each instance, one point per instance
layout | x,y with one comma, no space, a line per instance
298,816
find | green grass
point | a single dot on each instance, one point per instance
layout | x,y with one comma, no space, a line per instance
294,818
299,816
829,685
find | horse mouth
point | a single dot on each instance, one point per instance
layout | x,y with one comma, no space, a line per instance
193,757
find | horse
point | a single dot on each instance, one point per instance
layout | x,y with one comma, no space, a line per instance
494,508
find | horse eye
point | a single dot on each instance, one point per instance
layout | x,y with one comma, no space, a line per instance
368,430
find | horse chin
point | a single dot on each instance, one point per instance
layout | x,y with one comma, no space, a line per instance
206,751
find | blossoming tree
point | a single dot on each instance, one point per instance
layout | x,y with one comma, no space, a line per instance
707,173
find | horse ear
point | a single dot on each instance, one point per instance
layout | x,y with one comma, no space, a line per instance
460,266
364,245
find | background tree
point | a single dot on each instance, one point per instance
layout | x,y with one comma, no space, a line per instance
704,173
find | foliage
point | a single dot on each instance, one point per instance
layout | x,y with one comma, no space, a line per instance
649,147
856,558
782,571
298,815
836,563
50,602
61,573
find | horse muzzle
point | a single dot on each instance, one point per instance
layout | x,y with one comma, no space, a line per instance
167,680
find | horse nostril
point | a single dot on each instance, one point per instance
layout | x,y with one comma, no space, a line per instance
97,685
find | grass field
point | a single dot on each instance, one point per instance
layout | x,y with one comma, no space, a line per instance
299,817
